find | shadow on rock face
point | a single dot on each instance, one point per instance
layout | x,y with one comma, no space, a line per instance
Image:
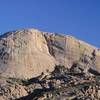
94,72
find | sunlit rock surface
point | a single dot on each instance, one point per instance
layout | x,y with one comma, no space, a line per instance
27,53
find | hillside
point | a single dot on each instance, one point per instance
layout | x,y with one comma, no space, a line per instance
27,53
49,58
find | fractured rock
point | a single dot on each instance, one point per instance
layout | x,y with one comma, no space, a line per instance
27,53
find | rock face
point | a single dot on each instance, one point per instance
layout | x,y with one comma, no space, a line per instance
37,65
29,52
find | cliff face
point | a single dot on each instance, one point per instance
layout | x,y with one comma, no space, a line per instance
28,53
71,67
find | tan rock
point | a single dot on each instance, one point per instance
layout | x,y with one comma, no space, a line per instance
2,98
28,53
98,94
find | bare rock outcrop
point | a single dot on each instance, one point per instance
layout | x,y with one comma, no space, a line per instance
24,54
29,52
37,65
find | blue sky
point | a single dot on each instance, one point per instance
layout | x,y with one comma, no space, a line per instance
80,18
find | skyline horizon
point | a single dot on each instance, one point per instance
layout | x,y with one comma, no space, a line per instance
66,34
79,18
